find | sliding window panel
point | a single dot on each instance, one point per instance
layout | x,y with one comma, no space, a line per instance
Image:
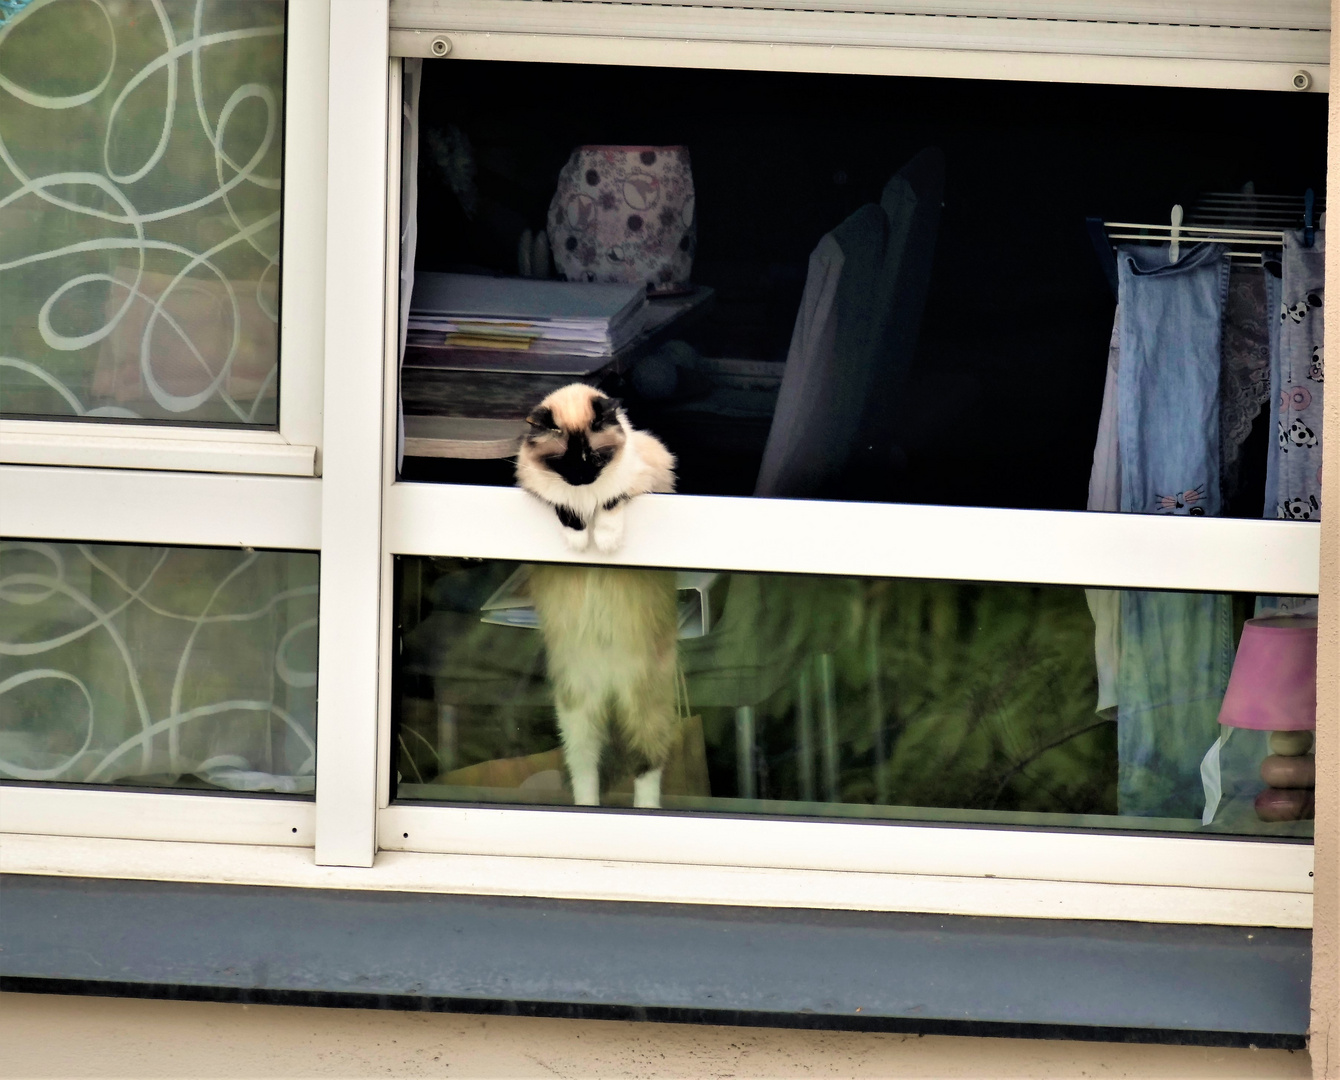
832,741
881,290
474,764
142,194
158,667
143,153
851,698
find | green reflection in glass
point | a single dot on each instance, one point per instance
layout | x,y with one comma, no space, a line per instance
807,695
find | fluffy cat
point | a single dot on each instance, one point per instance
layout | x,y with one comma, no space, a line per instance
610,637
584,459
610,633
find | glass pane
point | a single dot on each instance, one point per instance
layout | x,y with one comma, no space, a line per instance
141,149
854,698
892,290
158,667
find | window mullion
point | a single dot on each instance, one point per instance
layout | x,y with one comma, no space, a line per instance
302,314
351,510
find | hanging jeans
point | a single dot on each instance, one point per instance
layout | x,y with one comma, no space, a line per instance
1176,648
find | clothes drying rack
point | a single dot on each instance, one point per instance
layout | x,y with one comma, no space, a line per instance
1251,225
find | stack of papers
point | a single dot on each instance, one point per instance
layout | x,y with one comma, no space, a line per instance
468,311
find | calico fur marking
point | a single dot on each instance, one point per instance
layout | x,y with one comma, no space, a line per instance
568,519
583,458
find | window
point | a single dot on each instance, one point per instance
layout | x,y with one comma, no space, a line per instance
141,201
982,515
957,212
161,355
143,216
158,667
819,696
1008,552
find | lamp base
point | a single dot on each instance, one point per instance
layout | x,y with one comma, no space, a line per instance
1291,773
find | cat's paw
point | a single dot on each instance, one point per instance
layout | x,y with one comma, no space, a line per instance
608,531
577,539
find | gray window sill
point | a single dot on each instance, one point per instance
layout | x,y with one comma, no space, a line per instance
860,970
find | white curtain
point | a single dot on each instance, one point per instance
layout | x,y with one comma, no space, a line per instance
409,217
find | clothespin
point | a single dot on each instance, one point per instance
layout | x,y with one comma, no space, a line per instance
1309,209
1175,247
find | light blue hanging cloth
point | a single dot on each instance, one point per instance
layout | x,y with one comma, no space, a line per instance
1176,648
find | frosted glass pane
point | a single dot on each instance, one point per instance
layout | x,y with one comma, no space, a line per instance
140,164
159,667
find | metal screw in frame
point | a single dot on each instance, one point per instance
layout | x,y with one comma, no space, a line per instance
440,46
1302,80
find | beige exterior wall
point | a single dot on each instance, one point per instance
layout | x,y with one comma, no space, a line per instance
1325,1042
50,1036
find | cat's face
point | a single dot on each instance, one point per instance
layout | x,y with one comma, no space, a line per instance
575,433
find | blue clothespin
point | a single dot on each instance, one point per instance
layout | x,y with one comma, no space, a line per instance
10,8
1309,206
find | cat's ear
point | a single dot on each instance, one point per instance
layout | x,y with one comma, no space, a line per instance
542,419
605,411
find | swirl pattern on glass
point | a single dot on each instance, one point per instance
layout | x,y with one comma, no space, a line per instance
158,666
141,151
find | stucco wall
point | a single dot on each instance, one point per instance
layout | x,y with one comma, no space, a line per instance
50,1036
1326,884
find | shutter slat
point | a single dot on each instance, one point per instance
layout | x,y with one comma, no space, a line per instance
791,24
1311,15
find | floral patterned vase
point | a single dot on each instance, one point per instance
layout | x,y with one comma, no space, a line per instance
625,213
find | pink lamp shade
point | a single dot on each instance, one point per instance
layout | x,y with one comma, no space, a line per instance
1274,682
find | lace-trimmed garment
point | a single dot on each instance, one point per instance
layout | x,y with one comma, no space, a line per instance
1244,378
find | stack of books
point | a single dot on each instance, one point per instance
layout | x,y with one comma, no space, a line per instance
471,313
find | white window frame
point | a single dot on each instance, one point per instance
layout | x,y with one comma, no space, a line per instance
167,508
150,484
359,516
294,449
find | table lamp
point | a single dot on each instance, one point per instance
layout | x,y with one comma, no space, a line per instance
1273,688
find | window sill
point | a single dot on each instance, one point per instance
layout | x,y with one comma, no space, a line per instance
793,968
